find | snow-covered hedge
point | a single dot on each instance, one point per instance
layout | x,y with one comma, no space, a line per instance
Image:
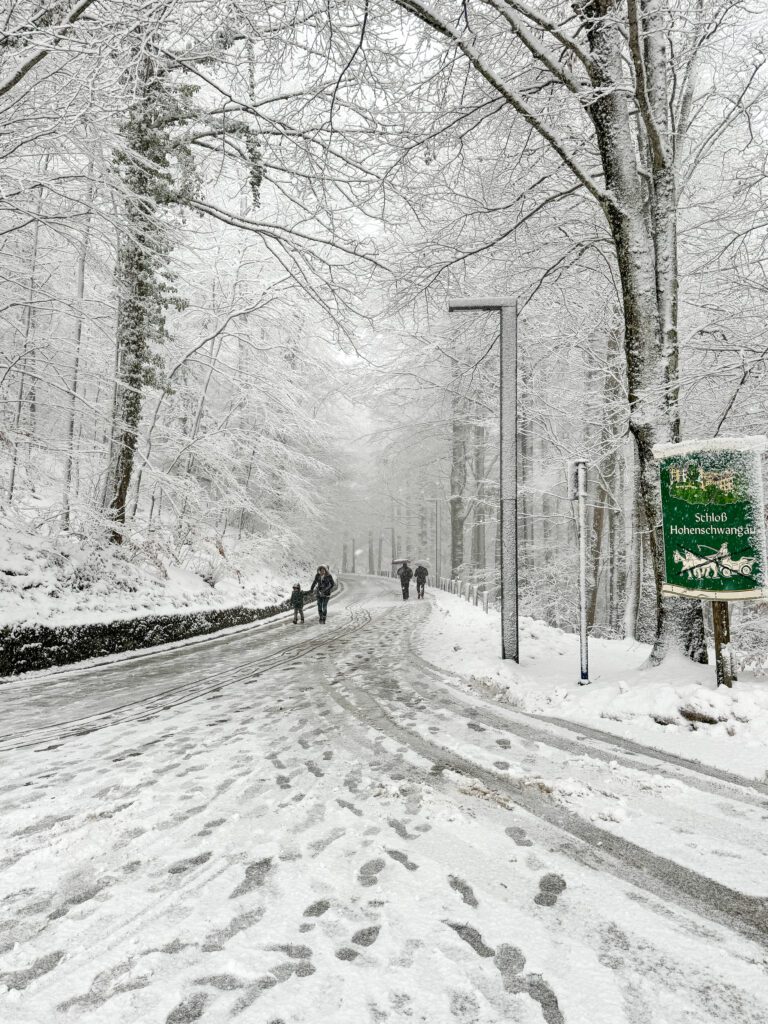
26,647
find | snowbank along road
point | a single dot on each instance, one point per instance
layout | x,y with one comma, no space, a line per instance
296,825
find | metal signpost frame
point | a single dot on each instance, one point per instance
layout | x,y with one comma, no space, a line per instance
577,491
506,306
713,524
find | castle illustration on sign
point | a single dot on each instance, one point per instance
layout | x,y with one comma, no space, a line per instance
692,483
691,475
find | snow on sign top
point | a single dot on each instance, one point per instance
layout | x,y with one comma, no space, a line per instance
756,443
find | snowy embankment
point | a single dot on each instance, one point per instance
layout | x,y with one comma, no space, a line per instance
676,707
65,599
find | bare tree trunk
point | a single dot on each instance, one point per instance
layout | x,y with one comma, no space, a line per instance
548,508
634,555
423,531
596,549
457,501
617,556
80,294
28,356
245,489
525,503
479,507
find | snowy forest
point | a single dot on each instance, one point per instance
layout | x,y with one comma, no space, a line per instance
228,235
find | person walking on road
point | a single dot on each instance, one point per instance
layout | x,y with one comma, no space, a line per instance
421,579
297,602
405,572
324,584
316,580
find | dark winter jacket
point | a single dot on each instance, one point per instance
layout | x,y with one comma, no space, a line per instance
405,573
296,599
421,574
323,584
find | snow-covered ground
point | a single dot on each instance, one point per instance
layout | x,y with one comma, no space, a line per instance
661,707
64,579
310,825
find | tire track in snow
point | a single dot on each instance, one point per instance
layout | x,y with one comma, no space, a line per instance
528,726
747,915
175,696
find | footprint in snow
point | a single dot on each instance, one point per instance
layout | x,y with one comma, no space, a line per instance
347,953
472,937
510,962
317,909
518,835
402,858
463,889
369,872
255,875
190,1010
366,936
400,828
550,887
191,862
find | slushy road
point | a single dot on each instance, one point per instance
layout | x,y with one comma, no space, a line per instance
312,825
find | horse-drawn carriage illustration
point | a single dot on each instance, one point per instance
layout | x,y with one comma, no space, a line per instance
713,566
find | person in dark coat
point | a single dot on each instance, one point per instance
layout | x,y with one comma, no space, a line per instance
421,579
316,580
323,583
405,572
297,602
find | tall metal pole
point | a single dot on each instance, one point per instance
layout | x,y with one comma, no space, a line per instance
577,491
507,308
381,545
581,495
353,556
437,544
510,640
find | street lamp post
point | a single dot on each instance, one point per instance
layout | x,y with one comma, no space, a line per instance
506,305
577,491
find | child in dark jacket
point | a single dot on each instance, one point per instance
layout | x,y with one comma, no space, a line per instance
297,602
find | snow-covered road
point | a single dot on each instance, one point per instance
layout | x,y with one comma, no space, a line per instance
312,824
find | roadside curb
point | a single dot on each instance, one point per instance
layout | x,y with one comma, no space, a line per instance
28,648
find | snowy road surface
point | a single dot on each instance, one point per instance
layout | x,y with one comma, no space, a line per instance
311,825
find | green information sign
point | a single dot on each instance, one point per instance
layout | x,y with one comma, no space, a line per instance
713,518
